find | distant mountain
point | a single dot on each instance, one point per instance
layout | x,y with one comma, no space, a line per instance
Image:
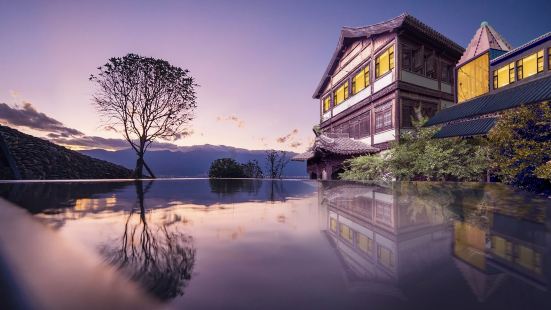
192,161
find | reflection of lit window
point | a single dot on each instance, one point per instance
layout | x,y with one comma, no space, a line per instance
502,248
383,212
385,256
364,243
528,258
333,225
346,232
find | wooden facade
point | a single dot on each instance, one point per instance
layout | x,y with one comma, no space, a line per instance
406,65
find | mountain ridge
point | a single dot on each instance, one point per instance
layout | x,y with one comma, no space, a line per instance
192,161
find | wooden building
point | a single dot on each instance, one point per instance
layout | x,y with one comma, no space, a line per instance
493,77
376,77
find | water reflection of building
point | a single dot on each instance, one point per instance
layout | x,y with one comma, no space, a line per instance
380,239
502,244
388,240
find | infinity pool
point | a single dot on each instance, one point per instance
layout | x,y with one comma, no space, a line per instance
262,244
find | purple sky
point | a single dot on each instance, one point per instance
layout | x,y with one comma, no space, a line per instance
258,62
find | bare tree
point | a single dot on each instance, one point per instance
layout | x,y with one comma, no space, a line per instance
145,99
275,163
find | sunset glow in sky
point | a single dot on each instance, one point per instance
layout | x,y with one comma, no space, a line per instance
258,62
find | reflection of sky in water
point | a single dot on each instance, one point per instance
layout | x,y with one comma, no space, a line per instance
276,244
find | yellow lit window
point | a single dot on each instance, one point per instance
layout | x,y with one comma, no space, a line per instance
341,94
549,58
360,81
504,75
472,78
384,62
326,103
540,61
530,65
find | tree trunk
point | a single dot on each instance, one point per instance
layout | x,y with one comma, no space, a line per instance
149,170
138,172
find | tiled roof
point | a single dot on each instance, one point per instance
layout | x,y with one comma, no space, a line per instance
303,156
403,19
530,92
338,146
485,38
468,128
521,48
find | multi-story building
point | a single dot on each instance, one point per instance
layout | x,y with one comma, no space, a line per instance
376,77
492,77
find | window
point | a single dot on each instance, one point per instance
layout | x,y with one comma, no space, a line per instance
530,65
333,224
385,256
383,117
549,58
430,63
341,94
408,112
326,103
504,75
360,81
364,125
447,72
384,62
364,243
472,78
345,232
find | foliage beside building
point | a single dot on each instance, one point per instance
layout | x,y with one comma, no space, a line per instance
521,144
417,156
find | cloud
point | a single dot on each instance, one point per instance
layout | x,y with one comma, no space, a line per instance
287,137
296,144
28,116
232,118
93,142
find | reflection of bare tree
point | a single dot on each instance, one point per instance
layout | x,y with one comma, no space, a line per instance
157,256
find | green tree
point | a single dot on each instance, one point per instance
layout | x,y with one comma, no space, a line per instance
226,168
418,156
521,140
145,99
251,169
366,168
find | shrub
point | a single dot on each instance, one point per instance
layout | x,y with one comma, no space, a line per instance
226,168
365,168
521,140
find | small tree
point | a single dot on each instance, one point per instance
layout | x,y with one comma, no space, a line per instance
275,163
226,168
251,169
521,140
145,99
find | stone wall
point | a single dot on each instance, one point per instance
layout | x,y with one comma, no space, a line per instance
29,158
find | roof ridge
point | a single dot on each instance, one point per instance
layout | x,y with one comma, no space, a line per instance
516,49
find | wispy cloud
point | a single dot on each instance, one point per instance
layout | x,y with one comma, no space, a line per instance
232,118
296,144
27,116
287,137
